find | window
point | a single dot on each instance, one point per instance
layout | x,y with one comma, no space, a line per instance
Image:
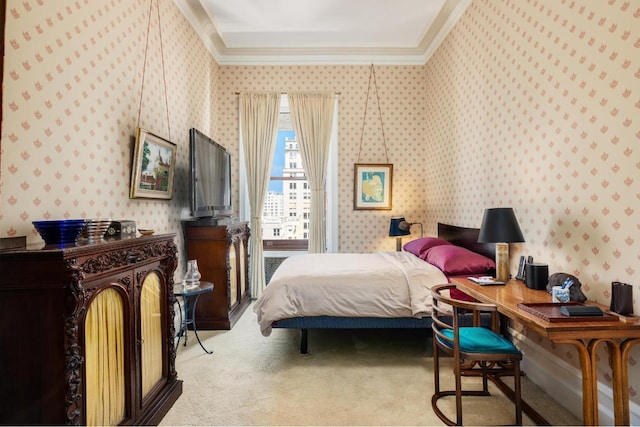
287,203
286,176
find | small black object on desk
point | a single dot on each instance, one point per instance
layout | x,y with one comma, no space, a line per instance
186,293
581,310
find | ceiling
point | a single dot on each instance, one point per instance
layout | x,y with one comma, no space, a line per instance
322,31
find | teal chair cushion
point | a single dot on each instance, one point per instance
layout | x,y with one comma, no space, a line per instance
481,340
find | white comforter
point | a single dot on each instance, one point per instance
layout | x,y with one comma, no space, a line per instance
383,284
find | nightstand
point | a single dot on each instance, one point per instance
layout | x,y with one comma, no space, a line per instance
189,294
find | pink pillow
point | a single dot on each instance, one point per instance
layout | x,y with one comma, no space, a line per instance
455,260
419,246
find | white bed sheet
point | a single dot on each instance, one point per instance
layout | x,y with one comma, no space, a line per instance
382,284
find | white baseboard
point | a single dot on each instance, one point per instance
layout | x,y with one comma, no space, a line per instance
563,382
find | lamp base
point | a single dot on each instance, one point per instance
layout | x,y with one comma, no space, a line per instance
502,262
398,244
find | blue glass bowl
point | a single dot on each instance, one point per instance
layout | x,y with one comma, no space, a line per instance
61,231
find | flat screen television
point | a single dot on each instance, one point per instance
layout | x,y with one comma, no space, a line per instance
210,177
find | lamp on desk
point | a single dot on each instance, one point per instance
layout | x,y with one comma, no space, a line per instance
400,227
500,226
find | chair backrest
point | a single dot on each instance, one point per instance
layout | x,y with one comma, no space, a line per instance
448,313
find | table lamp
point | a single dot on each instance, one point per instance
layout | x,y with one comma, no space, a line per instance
500,226
399,227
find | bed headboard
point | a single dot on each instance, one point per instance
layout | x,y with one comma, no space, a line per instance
467,238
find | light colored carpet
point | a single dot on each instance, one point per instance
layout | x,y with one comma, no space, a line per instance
366,377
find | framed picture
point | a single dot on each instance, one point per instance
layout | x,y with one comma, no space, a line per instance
372,186
154,165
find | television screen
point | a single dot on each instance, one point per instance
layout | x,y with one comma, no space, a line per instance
210,177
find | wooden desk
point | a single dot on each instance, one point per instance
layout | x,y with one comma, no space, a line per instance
585,336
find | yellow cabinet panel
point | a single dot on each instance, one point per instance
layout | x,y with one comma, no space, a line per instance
233,277
104,359
151,332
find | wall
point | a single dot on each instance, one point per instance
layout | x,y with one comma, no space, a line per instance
535,105
72,103
74,95
400,90
530,104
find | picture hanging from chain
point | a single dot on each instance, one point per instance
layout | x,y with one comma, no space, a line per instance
372,189
372,181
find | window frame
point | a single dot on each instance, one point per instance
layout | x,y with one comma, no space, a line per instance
331,198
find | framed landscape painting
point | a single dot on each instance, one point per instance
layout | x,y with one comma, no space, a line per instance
372,186
153,167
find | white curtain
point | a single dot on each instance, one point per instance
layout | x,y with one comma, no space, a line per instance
259,123
312,116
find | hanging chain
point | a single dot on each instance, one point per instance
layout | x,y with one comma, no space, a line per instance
144,67
164,76
372,74
144,63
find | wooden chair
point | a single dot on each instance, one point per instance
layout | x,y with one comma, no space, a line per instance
476,350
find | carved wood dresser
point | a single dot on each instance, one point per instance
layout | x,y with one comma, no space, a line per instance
87,333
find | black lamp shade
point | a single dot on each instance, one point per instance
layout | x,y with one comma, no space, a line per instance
396,227
499,225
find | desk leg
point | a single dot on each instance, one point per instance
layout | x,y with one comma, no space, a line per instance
618,356
626,347
589,383
615,361
193,322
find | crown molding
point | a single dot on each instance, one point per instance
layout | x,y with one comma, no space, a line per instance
450,13
203,25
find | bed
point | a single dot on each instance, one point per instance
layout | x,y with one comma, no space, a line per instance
370,291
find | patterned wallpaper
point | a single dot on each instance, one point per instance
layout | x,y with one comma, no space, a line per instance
535,104
529,103
74,94
401,131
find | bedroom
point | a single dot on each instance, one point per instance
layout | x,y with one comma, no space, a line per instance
542,118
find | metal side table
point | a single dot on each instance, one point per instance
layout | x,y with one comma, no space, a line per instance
188,293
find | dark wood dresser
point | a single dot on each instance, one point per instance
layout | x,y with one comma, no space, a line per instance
87,333
222,254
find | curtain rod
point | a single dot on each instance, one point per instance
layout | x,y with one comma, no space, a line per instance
284,93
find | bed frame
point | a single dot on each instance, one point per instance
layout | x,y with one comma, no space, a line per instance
460,236
467,238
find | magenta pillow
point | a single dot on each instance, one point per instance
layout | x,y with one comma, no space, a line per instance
454,260
419,246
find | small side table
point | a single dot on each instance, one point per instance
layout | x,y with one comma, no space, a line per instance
187,294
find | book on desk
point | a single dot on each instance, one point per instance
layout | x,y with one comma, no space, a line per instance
486,281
